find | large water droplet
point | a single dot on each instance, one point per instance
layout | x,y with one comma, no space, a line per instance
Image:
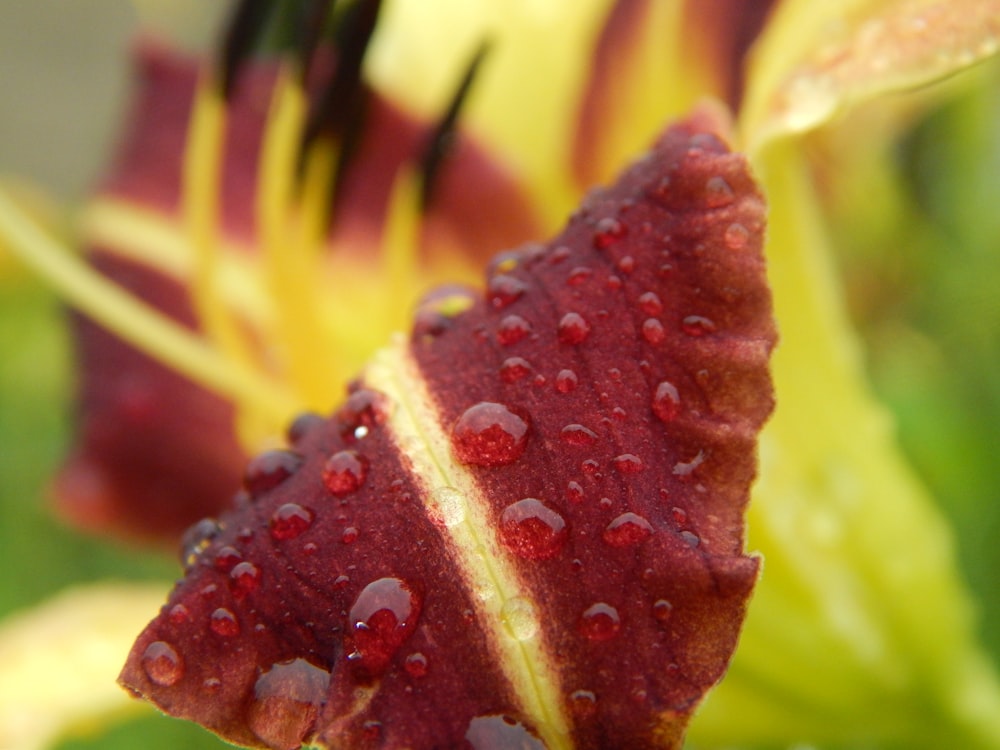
666,401
532,530
626,530
364,408
501,732
599,622
269,469
577,434
303,425
504,289
344,472
381,619
608,231
518,615
450,505
162,664
286,703
489,434
573,329
289,521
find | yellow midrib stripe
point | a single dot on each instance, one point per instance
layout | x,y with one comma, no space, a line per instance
417,427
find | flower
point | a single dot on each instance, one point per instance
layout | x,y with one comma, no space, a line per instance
838,648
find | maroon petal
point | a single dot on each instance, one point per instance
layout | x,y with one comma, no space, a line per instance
446,569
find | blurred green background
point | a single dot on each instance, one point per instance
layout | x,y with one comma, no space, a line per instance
925,293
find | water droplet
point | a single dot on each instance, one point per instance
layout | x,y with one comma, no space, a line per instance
612,283
519,619
532,530
736,236
224,623
269,469
511,329
679,515
591,468
372,729
162,664
290,521
450,504
690,538
489,434
583,703
504,289
666,401
341,582
574,492
573,329
662,610
302,425
599,622
514,368
577,434
579,275
608,231
211,684
560,254
627,463
286,703
696,325
245,578
649,303
344,472
381,619
179,614
364,408
626,530
626,264
227,558
349,535
718,193
196,540
566,381
439,307
501,732
653,331
416,665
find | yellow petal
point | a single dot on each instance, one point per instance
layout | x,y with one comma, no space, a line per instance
815,60
60,661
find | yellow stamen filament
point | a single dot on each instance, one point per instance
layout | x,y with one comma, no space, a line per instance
291,238
136,322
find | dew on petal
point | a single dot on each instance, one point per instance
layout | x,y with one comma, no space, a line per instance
718,192
573,328
450,505
736,236
599,622
627,463
196,540
653,331
227,558
344,472
649,303
577,434
381,619
579,275
626,530
504,289
666,401
269,469
662,610
416,665
179,614
512,329
489,434
290,521
245,578
223,622
607,232
501,732
574,492
513,369
162,664
697,325
286,703
519,618
303,425
583,703
684,469
566,381
365,407
532,530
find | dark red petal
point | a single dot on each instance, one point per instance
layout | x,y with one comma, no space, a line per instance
154,452
484,582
